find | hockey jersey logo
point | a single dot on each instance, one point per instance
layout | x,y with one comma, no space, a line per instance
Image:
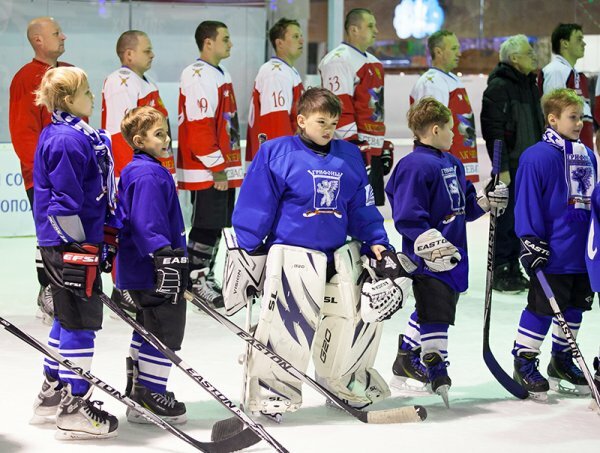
457,198
326,185
376,103
581,178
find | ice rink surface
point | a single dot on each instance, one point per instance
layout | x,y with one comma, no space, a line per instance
483,417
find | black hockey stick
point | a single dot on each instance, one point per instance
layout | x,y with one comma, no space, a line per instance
568,334
501,376
397,415
255,428
244,439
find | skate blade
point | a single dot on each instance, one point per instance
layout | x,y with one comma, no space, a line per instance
442,390
277,418
566,388
356,405
135,417
62,434
539,397
409,386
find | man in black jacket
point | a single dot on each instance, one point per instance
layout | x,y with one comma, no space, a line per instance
512,113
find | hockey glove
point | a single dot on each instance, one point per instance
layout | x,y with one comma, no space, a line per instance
534,253
171,271
364,148
439,254
493,197
391,265
80,268
387,157
109,248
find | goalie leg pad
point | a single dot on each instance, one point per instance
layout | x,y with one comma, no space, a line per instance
243,276
345,347
293,294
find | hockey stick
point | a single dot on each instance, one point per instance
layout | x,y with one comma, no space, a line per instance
397,415
257,429
568,334
488,357
244,439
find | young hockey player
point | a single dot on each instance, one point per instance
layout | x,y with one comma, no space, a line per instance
554,186
431,202
305,194
152,266
74,196
592,260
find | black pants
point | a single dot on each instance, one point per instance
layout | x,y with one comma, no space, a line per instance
508,245
41,273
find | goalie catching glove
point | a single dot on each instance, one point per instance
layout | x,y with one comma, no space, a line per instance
438,253
386,285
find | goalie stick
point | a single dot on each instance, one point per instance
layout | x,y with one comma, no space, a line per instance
568,334
236,442
488,357
257,429
397,415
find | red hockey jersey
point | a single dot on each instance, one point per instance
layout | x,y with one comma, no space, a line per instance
209,137
449,90
357,79
272,114
560,74
124,90
25,119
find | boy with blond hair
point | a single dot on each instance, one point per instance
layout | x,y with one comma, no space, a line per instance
554,184
152,263
432,200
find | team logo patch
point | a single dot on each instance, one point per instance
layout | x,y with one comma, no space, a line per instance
455,193
326,186
369,196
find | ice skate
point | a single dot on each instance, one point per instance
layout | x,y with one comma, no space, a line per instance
204,290
124,301
527,374
45,305
410,375
162,404
566,377
47,401
271,399
78,418
437,374
340,389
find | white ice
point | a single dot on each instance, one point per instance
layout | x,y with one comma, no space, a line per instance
482,417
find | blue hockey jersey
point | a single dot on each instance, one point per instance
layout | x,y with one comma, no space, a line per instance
292,195
592,259
541,208
151,218
67,182
428,189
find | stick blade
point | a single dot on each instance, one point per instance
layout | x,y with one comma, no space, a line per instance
240,440
226,428
502,377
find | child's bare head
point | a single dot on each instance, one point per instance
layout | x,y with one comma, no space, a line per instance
318,113
563,111
425,114
138,122
558,100
58,86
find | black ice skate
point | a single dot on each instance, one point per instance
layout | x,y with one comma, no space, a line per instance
566,377
207,292
47,401
508,280
162,404
124,301
437,373
527,374
593,405
78,418
410,375
45,305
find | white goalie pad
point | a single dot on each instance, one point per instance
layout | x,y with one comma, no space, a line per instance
344,347
243,275
293,294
